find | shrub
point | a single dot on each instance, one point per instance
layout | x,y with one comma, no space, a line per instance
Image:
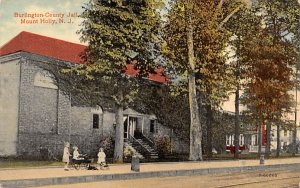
163,145
129,151
108,145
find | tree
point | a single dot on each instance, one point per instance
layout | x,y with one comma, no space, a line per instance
181,15
296,43
268,85
197,56
242,24
116,31
275,56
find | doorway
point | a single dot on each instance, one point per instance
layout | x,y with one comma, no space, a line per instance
130,124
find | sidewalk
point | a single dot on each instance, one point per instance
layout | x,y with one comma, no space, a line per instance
46,176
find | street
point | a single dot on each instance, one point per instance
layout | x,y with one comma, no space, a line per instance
274,179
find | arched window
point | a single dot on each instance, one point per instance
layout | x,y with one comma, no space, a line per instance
97,113
44,79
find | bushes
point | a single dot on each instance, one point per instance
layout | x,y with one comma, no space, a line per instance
163,145
108,145
129,151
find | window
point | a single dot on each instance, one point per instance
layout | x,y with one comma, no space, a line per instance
254,140
152,126
96,121
97,117
229,139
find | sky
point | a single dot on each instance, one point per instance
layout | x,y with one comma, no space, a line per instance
10,22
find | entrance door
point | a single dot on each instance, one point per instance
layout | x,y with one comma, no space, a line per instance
130,124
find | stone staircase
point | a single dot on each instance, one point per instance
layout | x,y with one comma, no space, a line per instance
143,147
152,153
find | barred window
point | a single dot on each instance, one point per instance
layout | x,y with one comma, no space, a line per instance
97,117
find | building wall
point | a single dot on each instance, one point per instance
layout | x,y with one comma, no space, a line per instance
89,138
47,119
108,124
178,145
38,113
41,118
9,104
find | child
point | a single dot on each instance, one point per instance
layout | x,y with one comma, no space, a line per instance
76,154
66,156
101,158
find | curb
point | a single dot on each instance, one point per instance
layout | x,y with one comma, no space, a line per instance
137,175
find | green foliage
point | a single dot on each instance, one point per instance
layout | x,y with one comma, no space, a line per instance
120,34
280,18
170,110
116,32
119,30
195,43
214,76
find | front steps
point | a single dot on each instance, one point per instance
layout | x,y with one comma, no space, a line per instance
142,148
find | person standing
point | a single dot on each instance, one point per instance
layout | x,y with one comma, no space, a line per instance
101,158
66,156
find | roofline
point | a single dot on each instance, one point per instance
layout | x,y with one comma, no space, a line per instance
34,57
52,38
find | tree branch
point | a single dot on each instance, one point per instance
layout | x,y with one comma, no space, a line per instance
229,16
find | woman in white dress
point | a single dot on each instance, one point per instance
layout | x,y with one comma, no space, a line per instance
66,155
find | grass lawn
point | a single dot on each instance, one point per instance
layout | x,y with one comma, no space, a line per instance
18,163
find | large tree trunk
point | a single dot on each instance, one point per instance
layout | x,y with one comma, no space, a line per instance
195,126
278,141
268,147
237,123
119,138
209,130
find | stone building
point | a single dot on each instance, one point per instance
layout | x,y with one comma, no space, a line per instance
34,113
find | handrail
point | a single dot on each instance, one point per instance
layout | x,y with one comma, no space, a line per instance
148,140
135,140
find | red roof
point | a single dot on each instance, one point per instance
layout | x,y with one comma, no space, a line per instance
42,45
158,77
59,49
